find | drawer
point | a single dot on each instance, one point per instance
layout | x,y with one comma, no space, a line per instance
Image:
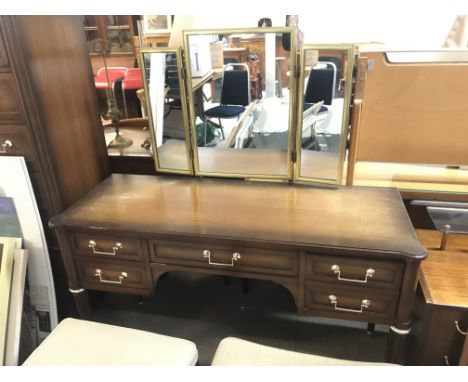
10,105
438,352
97,244
14,141
357,303
354,271
449,324
112,275
226,258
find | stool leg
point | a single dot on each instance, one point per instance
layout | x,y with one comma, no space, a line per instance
370,328
245,286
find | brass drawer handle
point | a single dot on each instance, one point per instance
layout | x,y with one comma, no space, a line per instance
122,276
118,245
369,273
447,361
235,256
5,145
364,304
459,330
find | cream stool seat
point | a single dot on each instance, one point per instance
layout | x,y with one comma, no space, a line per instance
79,342
233,351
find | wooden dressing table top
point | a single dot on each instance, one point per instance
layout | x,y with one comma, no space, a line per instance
444,274
274,213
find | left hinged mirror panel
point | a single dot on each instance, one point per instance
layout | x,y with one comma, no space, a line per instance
166,105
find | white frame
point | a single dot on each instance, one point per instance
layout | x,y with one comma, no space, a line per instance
150,31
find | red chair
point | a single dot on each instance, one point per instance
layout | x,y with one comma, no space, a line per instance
133,81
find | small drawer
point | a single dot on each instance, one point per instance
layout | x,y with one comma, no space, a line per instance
108,275
448,324
10,108
98,245
439,352
350,303
355,271
14,141
226,258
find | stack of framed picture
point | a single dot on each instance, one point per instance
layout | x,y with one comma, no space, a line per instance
27,295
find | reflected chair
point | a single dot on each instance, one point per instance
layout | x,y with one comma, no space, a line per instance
133,80
235,94
321,86
109,79
172,100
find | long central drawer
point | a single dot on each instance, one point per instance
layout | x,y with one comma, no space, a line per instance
265,261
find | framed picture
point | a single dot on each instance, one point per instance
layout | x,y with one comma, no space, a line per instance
157,24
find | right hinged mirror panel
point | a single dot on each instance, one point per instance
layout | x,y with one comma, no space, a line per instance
323,117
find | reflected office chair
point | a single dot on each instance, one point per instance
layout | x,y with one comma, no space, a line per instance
133,80
321,86
109,79
173,101
235,94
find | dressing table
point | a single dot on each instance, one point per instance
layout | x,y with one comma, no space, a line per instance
343,252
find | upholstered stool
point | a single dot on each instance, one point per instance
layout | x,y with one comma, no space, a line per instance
236,352
78,342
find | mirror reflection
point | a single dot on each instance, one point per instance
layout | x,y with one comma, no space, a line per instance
241,91
165,100
324,117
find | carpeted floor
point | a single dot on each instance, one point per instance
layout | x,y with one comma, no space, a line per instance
205,309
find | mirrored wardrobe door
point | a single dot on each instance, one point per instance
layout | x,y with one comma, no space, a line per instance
167,109
241,101
324,95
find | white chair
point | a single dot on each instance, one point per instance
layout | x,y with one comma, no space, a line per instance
233,351
79,342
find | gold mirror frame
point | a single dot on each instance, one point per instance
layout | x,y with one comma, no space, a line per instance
8,246
349,50
183,97
292,105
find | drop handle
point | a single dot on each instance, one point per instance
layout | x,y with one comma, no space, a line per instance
117,245
6,145
337,270
122,276
457,326
235,256
364,304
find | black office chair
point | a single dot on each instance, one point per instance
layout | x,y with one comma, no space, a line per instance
173,100
321,86
235,94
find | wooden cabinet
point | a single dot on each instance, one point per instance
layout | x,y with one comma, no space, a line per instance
226,227
118,31
49,115
442,302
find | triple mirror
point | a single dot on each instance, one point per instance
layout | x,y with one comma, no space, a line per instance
233,111
324,93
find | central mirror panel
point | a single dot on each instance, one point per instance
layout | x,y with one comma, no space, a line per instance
241,92
324,89
167,109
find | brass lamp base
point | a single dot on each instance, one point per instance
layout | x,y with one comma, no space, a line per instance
120,142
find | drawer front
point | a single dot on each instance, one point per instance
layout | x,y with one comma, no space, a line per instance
448,324
352,271
438,352
355,303
14,141
112,275
10,108
226,258
100,245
